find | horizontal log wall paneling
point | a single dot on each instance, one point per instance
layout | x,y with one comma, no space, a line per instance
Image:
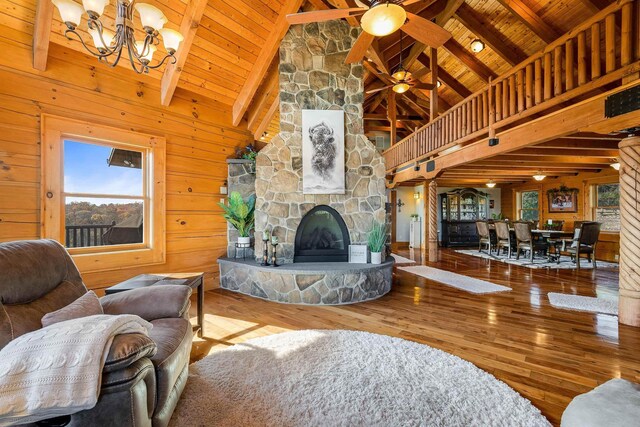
199,139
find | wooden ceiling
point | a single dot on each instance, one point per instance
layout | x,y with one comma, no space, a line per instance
231,57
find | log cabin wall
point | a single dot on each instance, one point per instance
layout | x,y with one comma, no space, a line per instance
198,131
608,245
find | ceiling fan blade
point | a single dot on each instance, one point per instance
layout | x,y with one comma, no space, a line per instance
359,48
425,31
408,2
323,15
425,86
372,91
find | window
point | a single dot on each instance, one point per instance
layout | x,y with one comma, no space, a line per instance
103,193
529,206
606,208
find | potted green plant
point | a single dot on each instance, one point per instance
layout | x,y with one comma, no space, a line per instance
240,215
377,239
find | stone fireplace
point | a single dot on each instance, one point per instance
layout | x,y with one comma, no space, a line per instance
314,231
313,75
322,236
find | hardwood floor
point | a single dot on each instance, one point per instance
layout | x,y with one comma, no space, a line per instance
546,354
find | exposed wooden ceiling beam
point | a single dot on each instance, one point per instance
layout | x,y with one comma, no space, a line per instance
268,51
469,60
344,4
271,88
531,19
501,173
188,28
490,35
445,77
595,6
514,158
376,116
539,165
41,33
378,57
449,10
583,144
561,152
264,123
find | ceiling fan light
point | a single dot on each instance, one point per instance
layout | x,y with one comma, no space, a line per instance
70,12
401,87
383,19
171,39
94,7
151,16
477,46
401,74
491,184
107,36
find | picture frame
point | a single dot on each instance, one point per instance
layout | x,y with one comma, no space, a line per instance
323,158
563,200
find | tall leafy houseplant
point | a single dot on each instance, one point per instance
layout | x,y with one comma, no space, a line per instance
240,215
377,240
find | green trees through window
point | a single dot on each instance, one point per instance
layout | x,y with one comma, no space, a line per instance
530,206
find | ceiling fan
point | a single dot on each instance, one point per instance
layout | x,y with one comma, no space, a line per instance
402,80
379,18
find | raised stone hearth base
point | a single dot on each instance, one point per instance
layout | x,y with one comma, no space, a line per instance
330,283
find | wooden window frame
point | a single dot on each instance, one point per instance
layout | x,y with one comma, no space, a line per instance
594,201
519,202
54,129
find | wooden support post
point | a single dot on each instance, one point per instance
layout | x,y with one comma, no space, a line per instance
629,305
41,32
391,115
433,221
433,102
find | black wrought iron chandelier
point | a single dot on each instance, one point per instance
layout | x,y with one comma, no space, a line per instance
109,46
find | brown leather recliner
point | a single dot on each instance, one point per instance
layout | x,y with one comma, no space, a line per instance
143,376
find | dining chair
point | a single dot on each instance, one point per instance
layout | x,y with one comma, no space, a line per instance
503,237
526,242
585,242
485,235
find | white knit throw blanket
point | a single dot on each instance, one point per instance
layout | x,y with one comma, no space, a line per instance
57,370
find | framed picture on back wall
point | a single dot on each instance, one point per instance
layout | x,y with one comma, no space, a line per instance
563,199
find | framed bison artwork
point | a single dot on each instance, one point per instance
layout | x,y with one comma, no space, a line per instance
323,152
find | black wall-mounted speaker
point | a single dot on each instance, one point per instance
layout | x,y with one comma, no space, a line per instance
431,165
622,102
493,142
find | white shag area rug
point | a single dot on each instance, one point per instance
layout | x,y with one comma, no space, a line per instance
402,260
465,283
538,262
582,303
345,378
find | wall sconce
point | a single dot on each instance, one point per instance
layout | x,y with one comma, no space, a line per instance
416,195
400,204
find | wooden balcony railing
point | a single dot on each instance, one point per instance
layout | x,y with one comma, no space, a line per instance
598,52
82,236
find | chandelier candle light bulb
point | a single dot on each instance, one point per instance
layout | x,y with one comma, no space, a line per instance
94,8
70,12
151,17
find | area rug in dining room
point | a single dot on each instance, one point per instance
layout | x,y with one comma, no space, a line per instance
345,378
565,261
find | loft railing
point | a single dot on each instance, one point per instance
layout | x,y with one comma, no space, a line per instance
598,52
82,236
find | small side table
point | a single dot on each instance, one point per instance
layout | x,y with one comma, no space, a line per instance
193,280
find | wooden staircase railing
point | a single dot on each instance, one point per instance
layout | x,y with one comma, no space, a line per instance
598,52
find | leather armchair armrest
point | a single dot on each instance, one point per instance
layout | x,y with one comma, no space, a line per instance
127,349
154,302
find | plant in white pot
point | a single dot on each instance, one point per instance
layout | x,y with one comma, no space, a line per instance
240,215
377,240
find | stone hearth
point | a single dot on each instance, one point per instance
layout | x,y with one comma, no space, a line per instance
308,283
